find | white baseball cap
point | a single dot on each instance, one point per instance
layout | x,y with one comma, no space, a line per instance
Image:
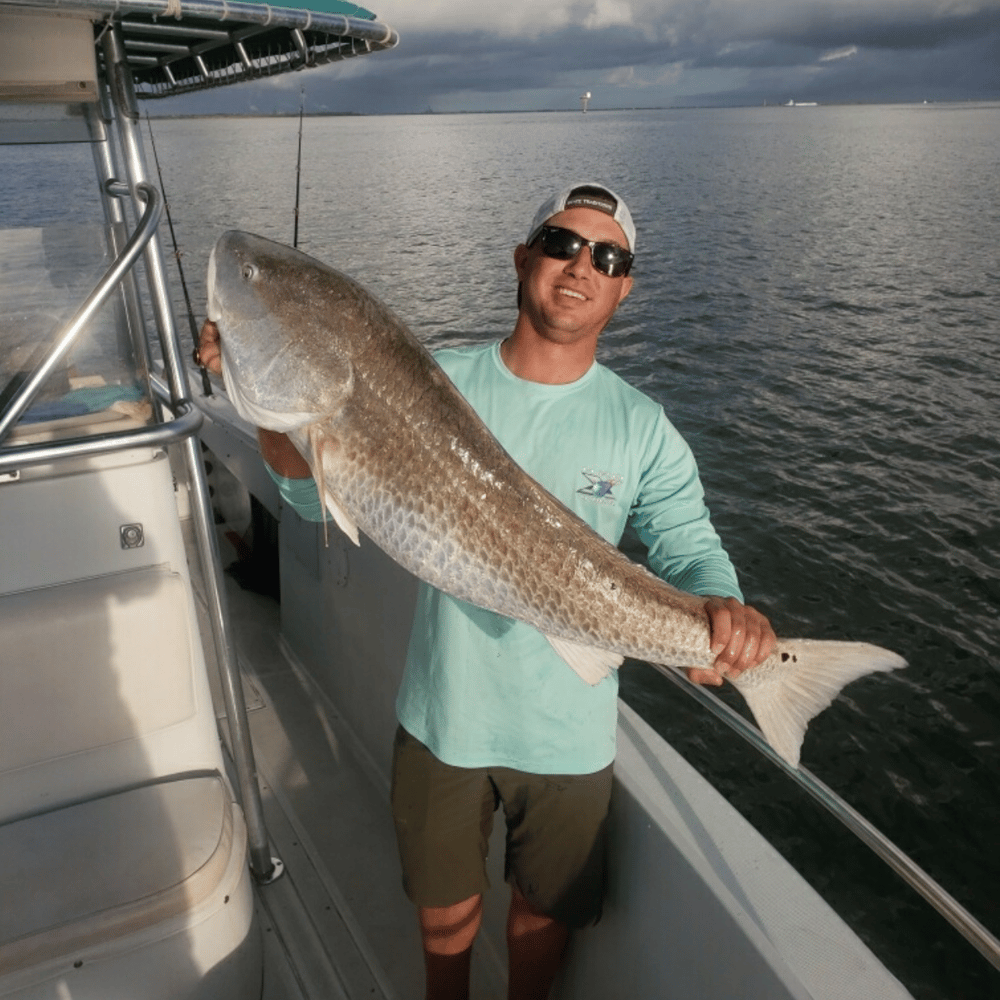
585,194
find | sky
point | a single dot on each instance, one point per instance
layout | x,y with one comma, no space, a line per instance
516,55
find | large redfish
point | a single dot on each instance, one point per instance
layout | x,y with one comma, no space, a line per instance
400,455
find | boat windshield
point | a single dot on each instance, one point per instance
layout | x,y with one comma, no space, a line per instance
54,248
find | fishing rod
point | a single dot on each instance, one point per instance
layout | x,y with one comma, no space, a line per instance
206,385
298,166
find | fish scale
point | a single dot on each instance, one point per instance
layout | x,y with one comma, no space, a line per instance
402,456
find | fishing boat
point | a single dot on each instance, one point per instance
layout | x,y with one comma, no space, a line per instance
193,773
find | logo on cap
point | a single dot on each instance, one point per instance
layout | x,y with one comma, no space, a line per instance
580,200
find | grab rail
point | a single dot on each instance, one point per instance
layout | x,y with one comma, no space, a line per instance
22,399
187,421
946,905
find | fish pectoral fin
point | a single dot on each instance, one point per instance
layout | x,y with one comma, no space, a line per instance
593,665
341,518
317,447
796,683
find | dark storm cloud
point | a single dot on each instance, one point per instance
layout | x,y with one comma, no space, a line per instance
852,53
869,59
882,26
485,62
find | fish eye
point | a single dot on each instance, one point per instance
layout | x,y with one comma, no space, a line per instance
249,272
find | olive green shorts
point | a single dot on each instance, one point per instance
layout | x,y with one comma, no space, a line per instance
556,832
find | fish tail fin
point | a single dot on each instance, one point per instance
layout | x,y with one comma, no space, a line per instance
802,678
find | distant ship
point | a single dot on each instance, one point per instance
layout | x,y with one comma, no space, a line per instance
802,104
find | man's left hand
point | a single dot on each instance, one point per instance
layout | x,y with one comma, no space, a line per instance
741,637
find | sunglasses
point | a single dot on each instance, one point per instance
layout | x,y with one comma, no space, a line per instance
564,244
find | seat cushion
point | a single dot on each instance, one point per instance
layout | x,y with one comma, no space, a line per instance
110,867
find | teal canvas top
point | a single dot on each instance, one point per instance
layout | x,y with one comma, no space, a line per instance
328,7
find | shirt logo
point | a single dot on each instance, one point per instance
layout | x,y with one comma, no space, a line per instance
599,486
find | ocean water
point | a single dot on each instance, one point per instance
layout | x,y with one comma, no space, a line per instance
817,307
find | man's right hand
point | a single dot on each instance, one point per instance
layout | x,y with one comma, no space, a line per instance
209,348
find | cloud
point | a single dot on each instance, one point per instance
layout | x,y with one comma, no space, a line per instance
632,42
844,53
515,19
607,13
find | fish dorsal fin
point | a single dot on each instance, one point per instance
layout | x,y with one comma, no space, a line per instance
593,665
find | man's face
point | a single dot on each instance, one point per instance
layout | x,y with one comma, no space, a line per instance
568,300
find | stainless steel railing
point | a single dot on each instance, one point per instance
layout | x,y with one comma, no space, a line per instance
187,421
187,418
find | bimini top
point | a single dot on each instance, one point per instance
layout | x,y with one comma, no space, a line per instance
179,46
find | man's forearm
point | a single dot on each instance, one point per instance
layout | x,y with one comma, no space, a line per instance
279,453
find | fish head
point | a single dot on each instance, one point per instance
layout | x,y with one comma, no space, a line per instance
277,311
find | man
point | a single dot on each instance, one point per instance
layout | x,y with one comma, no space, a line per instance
489,715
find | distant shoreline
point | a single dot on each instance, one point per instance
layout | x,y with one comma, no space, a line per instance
987,102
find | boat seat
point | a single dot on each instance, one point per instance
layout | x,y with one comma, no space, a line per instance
125,875
63,649
110,866
124,855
